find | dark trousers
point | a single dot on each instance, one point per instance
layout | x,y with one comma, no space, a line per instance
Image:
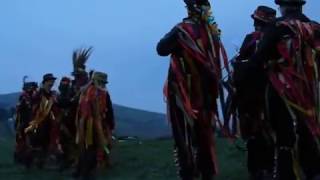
38,141
260,146
69,151
87,163
287,135
194,159
260,155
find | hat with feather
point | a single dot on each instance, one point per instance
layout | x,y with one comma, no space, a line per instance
79,59
28,85
193,5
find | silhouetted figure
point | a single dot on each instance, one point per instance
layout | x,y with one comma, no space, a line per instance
250,100
22,120
192,88
289,55
95,124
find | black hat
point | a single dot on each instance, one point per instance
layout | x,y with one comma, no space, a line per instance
290,2
65,80
265,14
47,77
30,85
192,3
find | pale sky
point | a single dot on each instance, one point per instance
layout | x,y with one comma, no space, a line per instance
38,36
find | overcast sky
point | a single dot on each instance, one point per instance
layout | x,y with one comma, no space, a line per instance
38,36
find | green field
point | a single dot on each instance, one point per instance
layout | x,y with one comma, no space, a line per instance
150,160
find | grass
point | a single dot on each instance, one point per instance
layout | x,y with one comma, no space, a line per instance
151,160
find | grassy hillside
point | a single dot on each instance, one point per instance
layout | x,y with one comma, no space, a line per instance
151,160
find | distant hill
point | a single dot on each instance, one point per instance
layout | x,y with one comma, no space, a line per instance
134,122
8,100
129,121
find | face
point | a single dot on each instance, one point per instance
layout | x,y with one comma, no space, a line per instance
49,84
29,90
100,84
81,79
64,87
205,10
256,25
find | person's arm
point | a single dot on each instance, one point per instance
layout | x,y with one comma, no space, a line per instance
246,46
243,72
110,115
35,101
168,43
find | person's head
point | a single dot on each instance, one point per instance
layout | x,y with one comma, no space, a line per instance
30,87
197,7
200,11
48,81
65,85
290,6
262,16
79,59
80,78
100,79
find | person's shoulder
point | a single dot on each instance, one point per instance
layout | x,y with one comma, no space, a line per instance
38,93
279,19
279,22
186,23
284,24
54,93
280,26
23,94
250,35
315,23
284,20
